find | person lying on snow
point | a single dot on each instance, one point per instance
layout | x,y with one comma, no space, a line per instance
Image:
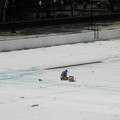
64,75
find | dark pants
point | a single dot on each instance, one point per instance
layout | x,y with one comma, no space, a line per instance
64,78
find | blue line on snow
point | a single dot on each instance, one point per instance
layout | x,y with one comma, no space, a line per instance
5,76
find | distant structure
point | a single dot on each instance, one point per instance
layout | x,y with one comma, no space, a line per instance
29,10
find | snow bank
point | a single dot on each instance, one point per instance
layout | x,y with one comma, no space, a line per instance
7,45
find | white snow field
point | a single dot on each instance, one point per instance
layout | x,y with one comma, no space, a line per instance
95,94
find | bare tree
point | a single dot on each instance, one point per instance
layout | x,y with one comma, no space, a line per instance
3,7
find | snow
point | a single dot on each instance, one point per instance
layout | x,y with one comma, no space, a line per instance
57,39
95,94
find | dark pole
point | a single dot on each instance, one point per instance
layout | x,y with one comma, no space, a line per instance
48,9
91,24
72,8
91,12
13,26
112,4
38,9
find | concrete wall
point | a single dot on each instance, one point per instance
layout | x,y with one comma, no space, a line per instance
17,44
